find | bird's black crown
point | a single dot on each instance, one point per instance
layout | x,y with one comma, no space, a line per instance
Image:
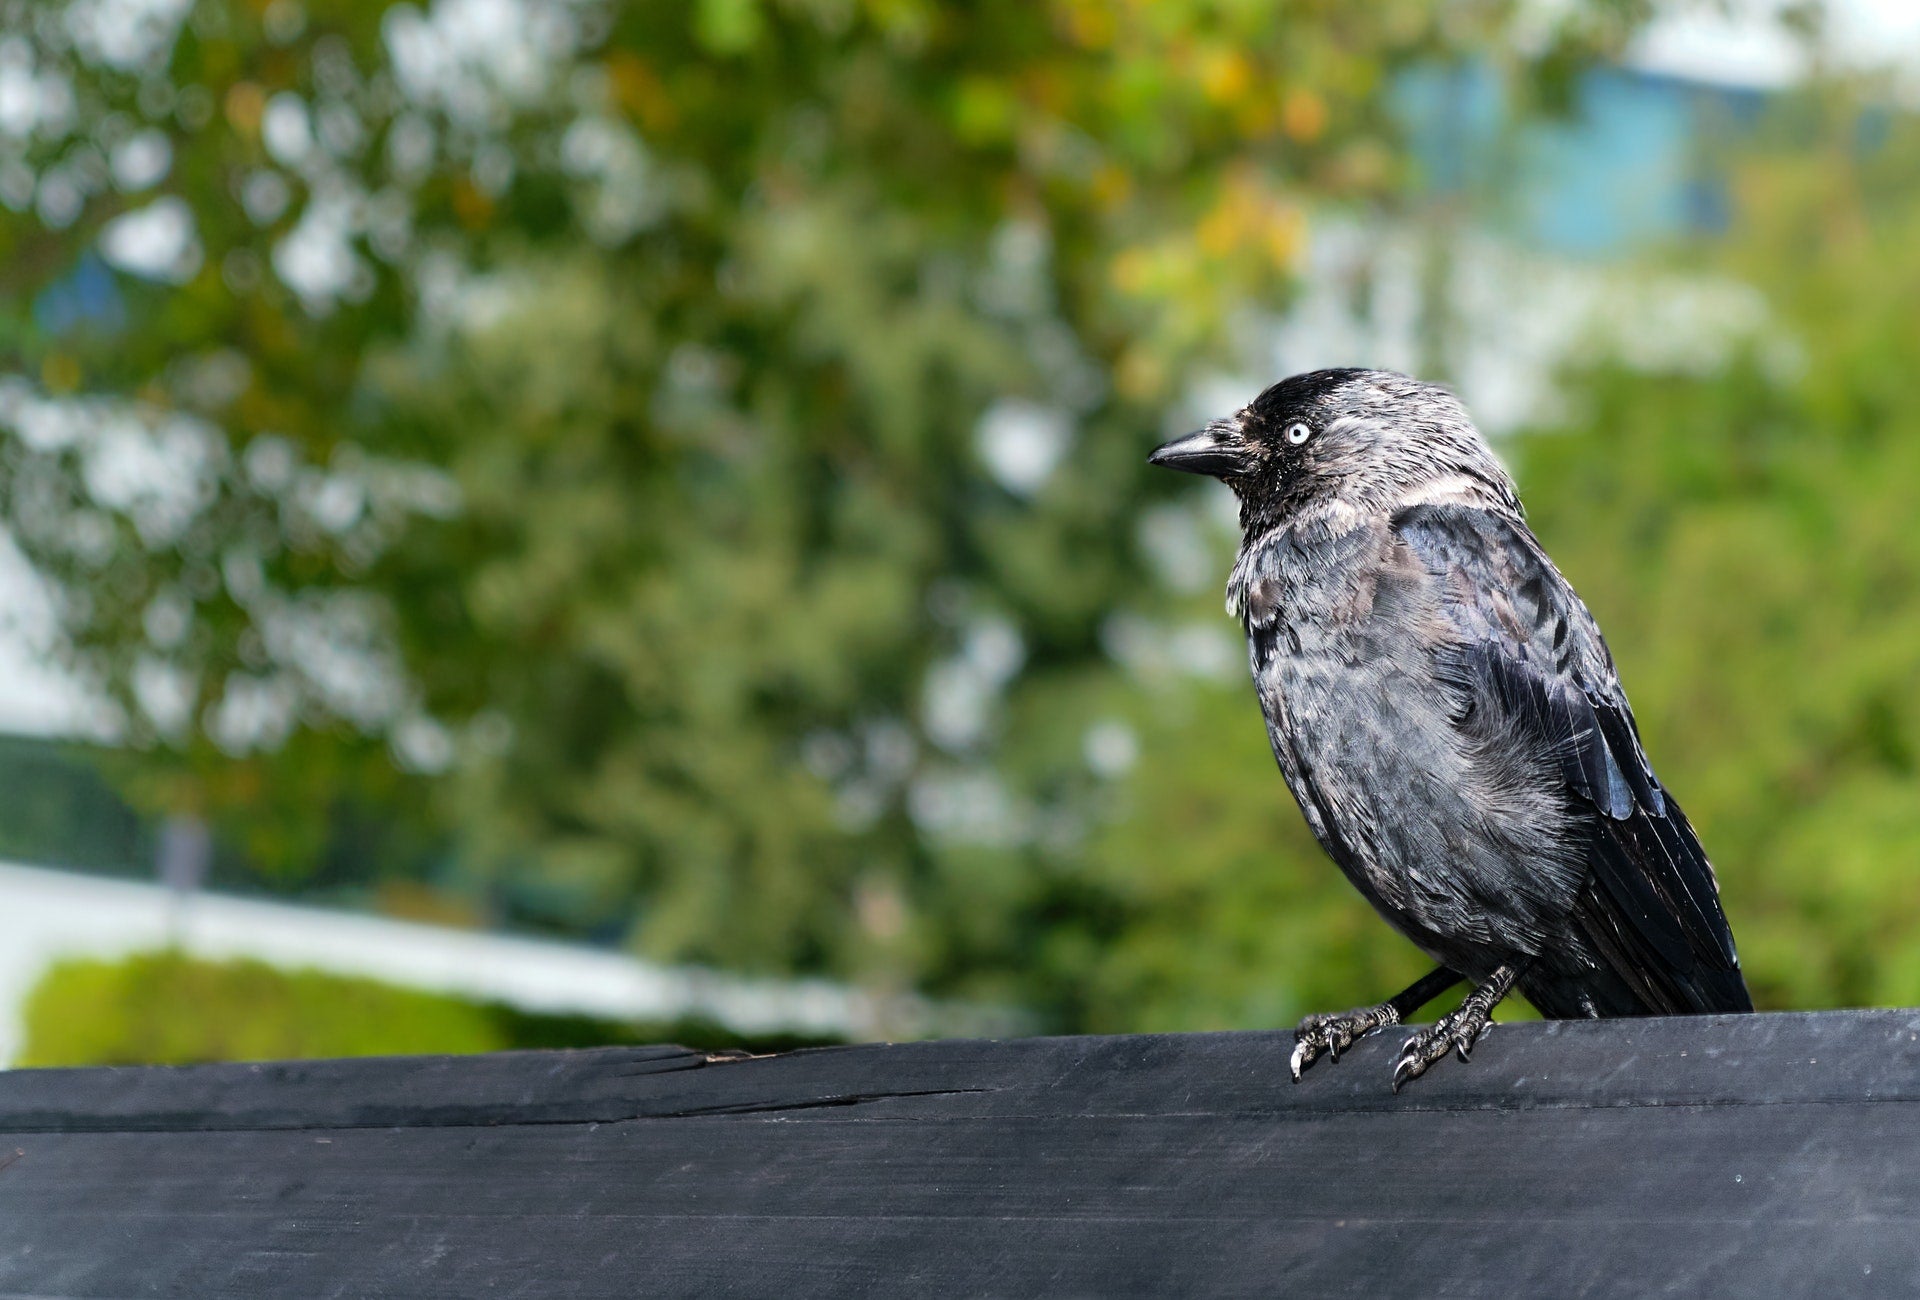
1300,394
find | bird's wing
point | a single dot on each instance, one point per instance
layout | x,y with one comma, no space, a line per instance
1527,655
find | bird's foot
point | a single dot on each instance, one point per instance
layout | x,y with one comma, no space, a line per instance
1335,1033
1456,1032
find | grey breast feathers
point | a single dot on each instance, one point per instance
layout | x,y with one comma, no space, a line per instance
1452,825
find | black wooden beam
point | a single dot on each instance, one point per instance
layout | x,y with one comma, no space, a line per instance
1761,1155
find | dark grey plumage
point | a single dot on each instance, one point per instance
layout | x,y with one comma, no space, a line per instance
1448,717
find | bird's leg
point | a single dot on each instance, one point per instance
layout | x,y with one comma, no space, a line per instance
1334,1034
1457,1031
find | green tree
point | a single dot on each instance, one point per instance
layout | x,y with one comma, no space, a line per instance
690,455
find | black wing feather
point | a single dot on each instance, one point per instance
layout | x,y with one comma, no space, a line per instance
1651,908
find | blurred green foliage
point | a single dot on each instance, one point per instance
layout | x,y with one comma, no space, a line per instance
61,809
166,1008
589,488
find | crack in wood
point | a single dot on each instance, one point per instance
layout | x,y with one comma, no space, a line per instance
810,1103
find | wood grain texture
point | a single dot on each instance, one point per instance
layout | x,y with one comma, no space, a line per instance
1775,1155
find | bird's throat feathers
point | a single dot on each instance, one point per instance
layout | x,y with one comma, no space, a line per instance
1322,521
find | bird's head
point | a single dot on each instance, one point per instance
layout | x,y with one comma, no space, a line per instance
1355,440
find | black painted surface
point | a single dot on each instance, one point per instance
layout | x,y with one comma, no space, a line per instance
1760,1155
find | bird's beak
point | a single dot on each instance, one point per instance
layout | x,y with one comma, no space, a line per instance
1217,450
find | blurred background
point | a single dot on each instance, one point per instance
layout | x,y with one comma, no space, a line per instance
538,522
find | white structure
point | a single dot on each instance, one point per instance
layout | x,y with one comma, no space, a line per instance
54,914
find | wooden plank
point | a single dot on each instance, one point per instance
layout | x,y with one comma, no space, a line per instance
1772,1154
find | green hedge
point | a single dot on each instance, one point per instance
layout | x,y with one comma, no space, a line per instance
166,1008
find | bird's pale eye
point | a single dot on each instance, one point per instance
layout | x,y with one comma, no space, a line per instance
1298,433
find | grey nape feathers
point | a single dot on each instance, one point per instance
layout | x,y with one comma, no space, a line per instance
1449,719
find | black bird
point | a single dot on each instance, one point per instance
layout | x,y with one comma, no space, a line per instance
1448,717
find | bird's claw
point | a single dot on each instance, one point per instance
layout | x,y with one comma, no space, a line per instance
1300,1060
1334,1034
1455,1032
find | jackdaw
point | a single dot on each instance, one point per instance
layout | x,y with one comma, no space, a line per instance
1448,717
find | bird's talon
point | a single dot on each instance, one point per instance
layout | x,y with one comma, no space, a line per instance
1330,1035
1458,1032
